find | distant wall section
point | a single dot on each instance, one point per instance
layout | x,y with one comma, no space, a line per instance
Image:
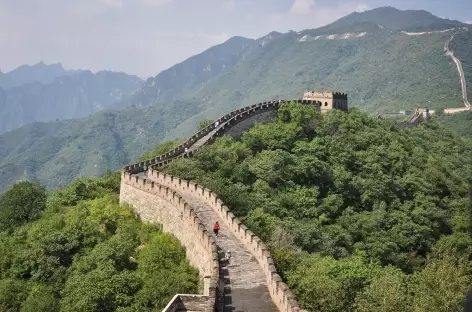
238,129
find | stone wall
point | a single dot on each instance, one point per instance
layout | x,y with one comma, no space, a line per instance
279,291
228,121
158,204
456,110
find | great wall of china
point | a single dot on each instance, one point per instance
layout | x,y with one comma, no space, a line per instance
450,53
187,210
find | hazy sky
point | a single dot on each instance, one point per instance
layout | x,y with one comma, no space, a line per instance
144,37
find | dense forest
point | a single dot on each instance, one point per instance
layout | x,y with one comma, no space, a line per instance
77,249
460,123
359,215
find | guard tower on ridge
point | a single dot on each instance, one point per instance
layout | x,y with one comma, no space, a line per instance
327,100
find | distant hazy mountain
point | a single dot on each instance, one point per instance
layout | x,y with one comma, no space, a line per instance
40,72
65,97
191,73
381,68
56,153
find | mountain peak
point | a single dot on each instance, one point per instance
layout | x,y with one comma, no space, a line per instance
397,20
39,72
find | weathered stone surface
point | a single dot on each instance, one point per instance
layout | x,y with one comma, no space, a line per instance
158,209
245,283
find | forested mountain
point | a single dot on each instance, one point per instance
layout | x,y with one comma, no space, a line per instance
381,68
393,19
66,97
57,153
461,47
382,71
183,77
359,216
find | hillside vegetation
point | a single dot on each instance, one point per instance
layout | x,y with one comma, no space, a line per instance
358,215
57,153
78,250
460,123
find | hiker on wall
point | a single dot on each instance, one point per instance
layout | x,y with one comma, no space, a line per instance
216,227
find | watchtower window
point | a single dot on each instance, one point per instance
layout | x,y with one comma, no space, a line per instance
326,103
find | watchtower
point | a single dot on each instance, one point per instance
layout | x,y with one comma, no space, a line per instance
327,100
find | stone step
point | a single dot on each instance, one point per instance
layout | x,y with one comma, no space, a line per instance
245,284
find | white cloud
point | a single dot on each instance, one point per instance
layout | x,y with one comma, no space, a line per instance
468,22
229,4
305,14
302,6
211,38
113,3
156,3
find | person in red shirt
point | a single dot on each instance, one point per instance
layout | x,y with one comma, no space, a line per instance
216,227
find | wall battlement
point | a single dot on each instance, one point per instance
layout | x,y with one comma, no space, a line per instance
280,293
328,100
157,203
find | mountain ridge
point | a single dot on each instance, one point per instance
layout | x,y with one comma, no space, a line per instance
381,71
397,20
40,72
66,97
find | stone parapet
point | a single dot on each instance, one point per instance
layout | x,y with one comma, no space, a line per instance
156,203
279,291
223,123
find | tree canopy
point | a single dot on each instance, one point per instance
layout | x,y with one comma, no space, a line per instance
82,251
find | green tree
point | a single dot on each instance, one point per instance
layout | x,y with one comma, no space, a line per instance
442,285
12,293
23,202
40,299
387,292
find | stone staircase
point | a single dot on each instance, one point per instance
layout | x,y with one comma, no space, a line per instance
204,139
245,286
